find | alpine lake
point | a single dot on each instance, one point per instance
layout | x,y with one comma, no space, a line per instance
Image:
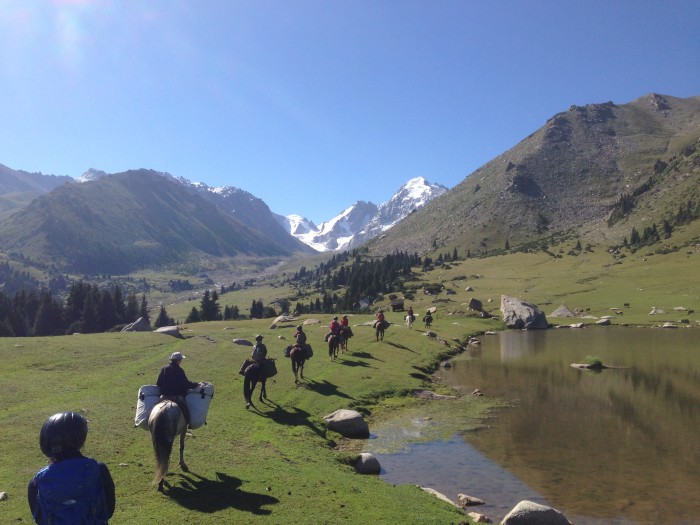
614,446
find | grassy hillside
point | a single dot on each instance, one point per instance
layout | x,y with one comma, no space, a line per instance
128,222
274,465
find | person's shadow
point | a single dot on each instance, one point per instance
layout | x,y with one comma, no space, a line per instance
204,495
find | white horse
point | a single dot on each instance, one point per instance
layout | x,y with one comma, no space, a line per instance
409,320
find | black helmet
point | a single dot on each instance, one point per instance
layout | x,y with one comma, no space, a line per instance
300,328
62,434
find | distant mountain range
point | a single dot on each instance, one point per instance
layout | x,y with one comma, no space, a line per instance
593,172
118,223
363,220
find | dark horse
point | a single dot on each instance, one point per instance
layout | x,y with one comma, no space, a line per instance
345,334
333,346
166,422
298,356
254,374
379,330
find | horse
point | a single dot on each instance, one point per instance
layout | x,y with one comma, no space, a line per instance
165,423
428,320
379,330
333,346
298,357
345,334
409,320
257,373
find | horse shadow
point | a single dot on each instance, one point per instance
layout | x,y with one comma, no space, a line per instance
200,494
345,362
296,417
326,389
364,355
402,347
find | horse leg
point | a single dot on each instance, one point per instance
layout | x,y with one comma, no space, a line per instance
183,466
247,391
295,369
263,390
301,369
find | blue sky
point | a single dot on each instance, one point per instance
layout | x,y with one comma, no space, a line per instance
312,105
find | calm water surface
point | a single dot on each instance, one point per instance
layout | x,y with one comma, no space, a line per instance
620,446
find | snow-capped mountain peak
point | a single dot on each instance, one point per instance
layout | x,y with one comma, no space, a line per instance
364,220
91,174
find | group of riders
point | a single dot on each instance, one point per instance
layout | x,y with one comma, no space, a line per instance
63,435
339,328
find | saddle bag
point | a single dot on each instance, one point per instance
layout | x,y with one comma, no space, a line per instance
198,400
309,351
270,368
149,396
245,365
287,351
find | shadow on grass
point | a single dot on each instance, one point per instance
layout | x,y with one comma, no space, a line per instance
204,495
346,362
295,417
326,389
364,355
402,347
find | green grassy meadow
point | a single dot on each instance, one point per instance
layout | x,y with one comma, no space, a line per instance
271,465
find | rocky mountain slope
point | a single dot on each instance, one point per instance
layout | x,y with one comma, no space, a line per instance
567,178
18,188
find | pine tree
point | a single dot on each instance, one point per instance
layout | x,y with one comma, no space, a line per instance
193,317
143,310
49,317
163,319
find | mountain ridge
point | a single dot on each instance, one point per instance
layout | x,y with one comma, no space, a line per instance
565,178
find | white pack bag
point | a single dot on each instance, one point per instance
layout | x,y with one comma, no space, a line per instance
198,401
149,396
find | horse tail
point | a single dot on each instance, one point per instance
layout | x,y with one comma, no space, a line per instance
163,427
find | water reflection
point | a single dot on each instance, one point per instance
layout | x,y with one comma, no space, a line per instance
619,446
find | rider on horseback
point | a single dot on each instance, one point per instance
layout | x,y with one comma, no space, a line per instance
379,317
334,328
259,354
173,384
300,336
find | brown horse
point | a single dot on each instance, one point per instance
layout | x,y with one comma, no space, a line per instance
345,334
166,422
298,357
379,327
333,346
254,374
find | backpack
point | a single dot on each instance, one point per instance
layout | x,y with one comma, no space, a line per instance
70,492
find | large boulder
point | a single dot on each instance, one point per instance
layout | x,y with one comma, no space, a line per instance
521,315
170,330
562,311
367,463
475,304
348,423
141,324
531,513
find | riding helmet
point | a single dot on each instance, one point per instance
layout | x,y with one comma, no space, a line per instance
62,434
300,328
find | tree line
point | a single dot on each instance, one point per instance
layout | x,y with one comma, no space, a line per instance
87,309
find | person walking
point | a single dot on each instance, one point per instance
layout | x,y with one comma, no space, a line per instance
72,488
